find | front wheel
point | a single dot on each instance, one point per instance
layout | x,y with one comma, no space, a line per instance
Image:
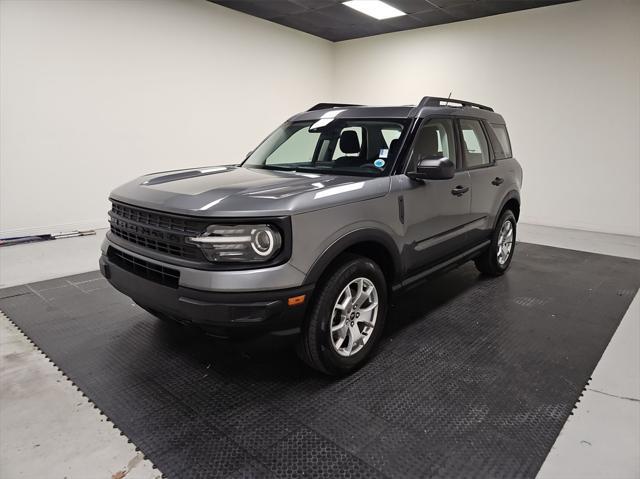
346,318
497,258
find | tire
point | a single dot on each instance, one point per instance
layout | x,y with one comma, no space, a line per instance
489,263
325,350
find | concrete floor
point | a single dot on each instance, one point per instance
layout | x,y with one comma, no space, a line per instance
21,264
602,437
49,429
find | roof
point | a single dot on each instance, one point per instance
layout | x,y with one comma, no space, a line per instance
381,112
428,106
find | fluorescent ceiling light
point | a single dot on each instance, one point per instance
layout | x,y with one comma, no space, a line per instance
374,8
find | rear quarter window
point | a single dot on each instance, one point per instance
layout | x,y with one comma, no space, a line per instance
500,141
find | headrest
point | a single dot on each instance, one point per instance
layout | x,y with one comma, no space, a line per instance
427,143
393,146
349,142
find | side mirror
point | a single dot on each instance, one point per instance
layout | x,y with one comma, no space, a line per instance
434,168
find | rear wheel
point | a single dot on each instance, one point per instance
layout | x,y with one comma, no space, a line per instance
497,258
346,317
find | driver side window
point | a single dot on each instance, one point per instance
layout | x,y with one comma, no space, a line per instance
435,139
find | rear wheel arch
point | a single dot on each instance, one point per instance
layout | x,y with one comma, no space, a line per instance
511,201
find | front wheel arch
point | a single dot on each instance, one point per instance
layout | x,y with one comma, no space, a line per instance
369,243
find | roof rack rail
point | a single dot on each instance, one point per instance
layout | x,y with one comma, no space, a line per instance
324,106
437,101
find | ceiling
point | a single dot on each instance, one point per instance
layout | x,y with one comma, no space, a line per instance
331,20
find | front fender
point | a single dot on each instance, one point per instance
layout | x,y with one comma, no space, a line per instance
350,239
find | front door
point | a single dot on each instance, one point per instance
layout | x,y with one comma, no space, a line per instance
436,211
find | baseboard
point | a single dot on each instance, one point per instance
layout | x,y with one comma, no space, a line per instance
41,230
579,226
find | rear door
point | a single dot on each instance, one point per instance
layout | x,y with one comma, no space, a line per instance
436,211
487,177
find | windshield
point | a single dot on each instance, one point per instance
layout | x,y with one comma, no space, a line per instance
353,147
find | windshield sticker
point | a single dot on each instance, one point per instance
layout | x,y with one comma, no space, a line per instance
384,153
379,163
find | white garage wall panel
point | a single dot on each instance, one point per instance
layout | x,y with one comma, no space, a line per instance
567,80
94,93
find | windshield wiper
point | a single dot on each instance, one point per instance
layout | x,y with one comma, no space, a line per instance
336,171
317,170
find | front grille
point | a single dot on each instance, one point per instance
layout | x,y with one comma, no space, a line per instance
158,220
156,231
145,269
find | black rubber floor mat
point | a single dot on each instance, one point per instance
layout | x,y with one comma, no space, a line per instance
476,377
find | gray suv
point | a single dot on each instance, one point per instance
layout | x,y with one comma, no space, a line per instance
339,208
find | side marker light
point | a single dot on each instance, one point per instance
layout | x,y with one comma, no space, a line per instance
295,300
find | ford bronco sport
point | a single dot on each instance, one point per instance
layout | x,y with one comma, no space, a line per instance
337,209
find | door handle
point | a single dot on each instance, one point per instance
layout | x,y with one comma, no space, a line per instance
498,181
459,190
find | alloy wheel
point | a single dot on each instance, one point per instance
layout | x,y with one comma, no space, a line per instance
505,242
354,315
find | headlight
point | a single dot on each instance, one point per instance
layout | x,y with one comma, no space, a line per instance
239,243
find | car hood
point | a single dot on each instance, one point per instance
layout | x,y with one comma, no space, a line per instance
244,192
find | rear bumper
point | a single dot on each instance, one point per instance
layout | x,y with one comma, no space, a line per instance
221,314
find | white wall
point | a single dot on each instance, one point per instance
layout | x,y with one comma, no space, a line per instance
567,80
94,93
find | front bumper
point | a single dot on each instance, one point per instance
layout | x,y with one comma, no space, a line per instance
221,314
